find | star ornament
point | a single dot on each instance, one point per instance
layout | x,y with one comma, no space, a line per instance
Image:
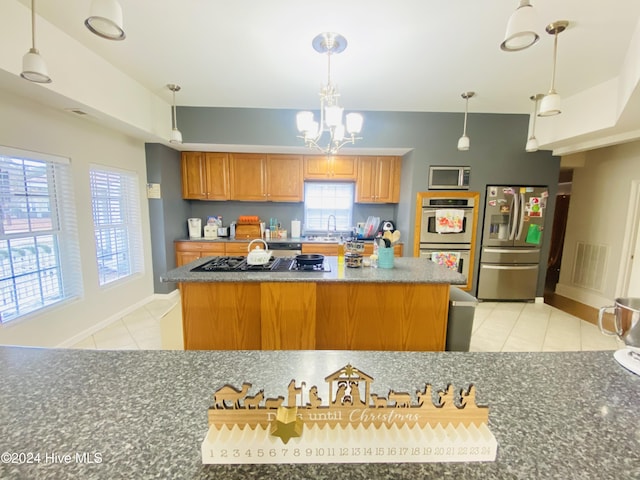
287,424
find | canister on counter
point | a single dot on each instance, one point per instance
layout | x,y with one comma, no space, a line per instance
353,260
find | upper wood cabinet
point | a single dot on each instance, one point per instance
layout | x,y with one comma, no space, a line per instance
261,178
378,180
330,167
205,176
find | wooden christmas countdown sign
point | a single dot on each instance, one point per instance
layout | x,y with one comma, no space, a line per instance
352,426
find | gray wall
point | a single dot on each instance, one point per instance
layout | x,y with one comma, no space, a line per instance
496,157
167,214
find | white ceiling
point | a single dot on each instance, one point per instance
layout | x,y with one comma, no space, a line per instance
405,55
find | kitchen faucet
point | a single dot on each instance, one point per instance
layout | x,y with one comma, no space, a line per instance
329,225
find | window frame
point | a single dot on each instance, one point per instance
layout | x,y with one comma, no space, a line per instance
45,270
122,223
343,226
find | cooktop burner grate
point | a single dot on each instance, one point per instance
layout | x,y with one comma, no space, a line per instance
275,264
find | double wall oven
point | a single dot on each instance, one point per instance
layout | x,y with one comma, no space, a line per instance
447,230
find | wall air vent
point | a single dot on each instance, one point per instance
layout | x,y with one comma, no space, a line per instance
589,265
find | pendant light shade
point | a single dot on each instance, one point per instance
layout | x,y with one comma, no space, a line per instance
105,19
463,141
550,104
176,136
532,142
521,32
33,67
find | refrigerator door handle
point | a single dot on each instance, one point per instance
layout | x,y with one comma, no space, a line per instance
521,221
513,217
510,250
509,267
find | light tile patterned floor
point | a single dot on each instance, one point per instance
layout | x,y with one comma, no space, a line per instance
497,327
533,327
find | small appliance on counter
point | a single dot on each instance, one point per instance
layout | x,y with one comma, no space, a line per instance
626,318
210,231
386,226
248,227
223,231
195,227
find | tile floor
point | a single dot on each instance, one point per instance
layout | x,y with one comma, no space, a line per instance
497,327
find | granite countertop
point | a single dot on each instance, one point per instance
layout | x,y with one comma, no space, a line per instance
406,270
143,414
274,240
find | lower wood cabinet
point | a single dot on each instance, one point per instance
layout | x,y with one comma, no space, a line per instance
332,249
189,251
314,316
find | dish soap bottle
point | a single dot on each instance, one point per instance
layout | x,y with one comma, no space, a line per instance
340,252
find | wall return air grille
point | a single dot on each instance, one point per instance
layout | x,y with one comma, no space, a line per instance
589,265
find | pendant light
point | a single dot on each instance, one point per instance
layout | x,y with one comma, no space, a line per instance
550,104
521,32
33,67
176,136
463,142
532,142
105,19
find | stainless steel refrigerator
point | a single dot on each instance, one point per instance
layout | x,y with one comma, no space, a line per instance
511,240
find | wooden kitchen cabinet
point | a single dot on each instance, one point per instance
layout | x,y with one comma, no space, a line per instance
330,167
205,176
261,178
189,251
332,248
378,179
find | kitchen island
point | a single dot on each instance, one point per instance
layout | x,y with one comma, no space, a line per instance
143,414
403,308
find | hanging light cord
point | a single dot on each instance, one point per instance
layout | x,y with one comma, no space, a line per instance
33,24
466,109
175,127
555,56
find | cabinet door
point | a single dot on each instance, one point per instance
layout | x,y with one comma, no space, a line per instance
321,248
193,176
344,167
323,167
238,249
217,176
182,258
247,177
387,180
284,178
316,167
366,181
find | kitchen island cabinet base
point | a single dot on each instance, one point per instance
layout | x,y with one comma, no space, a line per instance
314,316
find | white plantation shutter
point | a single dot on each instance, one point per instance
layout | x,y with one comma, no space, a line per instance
39,261
115,202
322,199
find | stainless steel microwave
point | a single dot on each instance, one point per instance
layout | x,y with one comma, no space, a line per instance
449,177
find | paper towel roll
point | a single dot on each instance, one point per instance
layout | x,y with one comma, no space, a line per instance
295,228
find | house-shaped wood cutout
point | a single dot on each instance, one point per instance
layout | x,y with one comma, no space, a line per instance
348,381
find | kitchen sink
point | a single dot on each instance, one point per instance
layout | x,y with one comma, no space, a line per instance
321,239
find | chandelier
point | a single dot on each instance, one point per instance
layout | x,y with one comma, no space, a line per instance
339,134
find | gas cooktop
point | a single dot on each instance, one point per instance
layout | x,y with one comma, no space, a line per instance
275,264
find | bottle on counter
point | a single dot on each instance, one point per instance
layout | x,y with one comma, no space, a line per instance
340,252
374,256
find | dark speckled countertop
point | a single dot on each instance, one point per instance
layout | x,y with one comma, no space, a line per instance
554,415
